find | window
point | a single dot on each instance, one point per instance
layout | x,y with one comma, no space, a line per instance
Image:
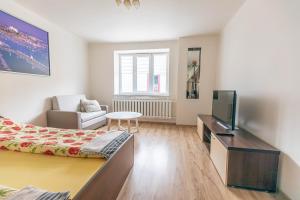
142,72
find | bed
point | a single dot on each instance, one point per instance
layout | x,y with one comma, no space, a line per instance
85,178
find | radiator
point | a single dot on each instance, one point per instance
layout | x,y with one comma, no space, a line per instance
150,108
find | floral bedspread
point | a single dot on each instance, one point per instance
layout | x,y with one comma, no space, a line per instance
49,141
6,192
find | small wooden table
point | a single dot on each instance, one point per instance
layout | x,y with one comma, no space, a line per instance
123,116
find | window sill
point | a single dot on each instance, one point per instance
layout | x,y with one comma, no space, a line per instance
141,96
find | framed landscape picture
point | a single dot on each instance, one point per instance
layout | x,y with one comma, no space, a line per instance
24,48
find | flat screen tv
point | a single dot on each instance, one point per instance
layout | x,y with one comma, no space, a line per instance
224,107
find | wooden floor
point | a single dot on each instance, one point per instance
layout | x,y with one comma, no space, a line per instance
172,163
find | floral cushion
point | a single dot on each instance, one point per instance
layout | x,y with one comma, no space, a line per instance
44,140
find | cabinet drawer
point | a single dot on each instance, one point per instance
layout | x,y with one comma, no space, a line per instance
218,155
200,128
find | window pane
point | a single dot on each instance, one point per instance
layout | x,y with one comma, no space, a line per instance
142,70
160,73
127,73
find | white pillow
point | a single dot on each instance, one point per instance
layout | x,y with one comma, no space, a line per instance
90,105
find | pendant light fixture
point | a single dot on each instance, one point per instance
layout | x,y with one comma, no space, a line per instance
129,3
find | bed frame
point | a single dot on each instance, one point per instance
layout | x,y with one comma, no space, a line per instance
108,181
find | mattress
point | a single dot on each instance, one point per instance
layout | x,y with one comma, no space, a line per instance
52,173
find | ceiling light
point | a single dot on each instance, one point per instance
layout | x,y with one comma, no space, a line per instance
136,3
129,3
118,2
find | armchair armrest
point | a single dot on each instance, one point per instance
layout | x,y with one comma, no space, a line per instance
64,119
104,108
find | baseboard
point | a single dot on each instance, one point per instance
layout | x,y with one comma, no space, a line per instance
282,195
169,121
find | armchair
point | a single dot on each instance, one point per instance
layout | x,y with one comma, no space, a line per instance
67,113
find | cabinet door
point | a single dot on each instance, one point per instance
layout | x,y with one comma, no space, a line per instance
218,155
200,128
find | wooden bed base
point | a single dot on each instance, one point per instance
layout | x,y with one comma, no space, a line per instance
108,181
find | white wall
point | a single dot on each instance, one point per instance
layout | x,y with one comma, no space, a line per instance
260,59
187,109
101,61
102,71
24,98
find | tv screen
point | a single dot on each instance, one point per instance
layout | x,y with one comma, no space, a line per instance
224,105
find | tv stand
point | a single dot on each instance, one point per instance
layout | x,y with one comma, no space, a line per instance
242,160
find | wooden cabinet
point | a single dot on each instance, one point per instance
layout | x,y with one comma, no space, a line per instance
240,158
200,128
219,157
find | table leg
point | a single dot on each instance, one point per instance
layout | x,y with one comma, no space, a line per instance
128,122
109,124
119,124
137,125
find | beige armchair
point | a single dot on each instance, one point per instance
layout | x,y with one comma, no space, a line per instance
66,113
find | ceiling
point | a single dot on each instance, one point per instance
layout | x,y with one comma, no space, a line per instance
104,21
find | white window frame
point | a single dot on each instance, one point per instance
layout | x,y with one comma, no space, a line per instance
135,54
